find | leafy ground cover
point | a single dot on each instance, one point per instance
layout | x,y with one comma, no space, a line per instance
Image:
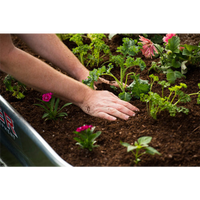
177,139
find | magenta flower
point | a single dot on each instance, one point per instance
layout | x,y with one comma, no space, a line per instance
168,36
46,97
148,47
85,127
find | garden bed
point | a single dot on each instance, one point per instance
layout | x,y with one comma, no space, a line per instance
176,138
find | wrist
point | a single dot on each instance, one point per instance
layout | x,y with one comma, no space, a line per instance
82,74
85,94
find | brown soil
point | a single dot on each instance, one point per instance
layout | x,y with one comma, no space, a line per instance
176,138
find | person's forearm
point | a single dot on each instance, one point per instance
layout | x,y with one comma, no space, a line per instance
52,49
38,75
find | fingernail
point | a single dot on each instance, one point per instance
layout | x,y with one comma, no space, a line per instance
126,117
133,114
113,118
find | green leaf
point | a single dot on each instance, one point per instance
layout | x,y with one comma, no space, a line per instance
95,146
128,47
62,114
131,148
164,84
46,110
78,140
128,146
173,75
151,150
183,67
125,144
82,136
94,136
138,86
144,140
173,44
52,103
175,63
139,62
94,75
190,48
67,104
45,115
56,105
126,96
20,95
155,78
129,62
118,60
198,99
186,52
157,39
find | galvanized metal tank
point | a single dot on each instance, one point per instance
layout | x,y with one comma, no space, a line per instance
20,144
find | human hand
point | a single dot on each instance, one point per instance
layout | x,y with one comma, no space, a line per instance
106,105
102,80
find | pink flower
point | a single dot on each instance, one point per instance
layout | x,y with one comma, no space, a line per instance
46,97
148,47
168,36
85,127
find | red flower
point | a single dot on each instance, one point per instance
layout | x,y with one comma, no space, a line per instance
85,127
168,36
46,97
181,48
148,47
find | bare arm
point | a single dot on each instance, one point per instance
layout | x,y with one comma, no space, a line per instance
37,74
52,49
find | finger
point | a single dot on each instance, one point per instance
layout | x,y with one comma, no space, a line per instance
106,116
118,113
117,100
129,106
113,83
102,80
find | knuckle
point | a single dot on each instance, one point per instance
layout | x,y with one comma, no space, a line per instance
120,107
111,110
126,104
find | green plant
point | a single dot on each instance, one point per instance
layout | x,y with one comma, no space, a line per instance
51,107
63,37
137,87
156,103
89,55
97,46
82,49
86,137
124,61
140,145
174,56
92,34
15,87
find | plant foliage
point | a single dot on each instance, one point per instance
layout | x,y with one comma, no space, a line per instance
156,103
14,86
140,145
124,61
86,138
